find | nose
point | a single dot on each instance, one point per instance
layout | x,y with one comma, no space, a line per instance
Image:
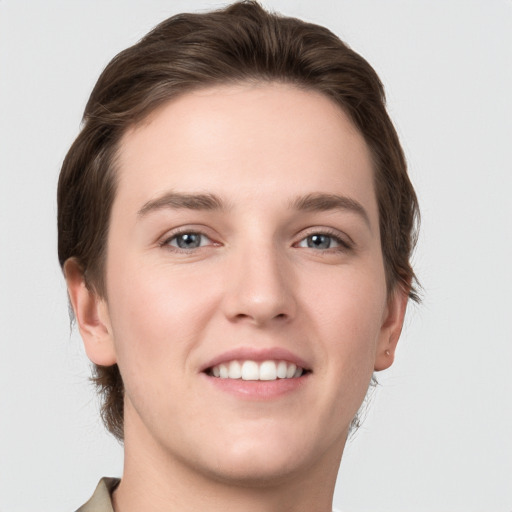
259,287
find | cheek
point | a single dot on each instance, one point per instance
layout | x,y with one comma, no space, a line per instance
157,313
348,319
351,300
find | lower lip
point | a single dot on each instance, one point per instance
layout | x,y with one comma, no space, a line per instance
258,389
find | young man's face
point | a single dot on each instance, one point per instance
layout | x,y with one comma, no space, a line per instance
245,233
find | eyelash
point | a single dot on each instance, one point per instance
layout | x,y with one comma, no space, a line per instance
167,241
342,244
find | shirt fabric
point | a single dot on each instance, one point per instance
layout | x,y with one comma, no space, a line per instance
101,500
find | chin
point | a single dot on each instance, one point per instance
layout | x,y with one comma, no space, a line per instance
263,460
254,470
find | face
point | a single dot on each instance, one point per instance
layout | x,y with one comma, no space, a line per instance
247,304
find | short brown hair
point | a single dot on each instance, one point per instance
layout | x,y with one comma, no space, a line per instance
189,51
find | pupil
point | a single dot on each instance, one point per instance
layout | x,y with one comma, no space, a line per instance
319,241
188,240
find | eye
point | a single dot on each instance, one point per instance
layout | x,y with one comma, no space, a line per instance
322,241
188,240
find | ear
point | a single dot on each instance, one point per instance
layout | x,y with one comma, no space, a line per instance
392,322
92,316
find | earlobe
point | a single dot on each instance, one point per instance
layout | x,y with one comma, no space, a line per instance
391,328
91,313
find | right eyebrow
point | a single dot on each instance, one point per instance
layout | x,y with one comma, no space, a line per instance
321,202
174,200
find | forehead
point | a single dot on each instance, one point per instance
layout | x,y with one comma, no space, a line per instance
245,139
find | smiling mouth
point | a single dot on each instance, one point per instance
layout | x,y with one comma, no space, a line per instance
256,371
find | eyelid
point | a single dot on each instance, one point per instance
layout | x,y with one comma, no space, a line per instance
164,241
342,238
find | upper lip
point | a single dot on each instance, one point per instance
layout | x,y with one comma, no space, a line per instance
256,354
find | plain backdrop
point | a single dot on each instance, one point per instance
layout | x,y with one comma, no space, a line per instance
438,436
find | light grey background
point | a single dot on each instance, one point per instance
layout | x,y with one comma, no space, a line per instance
438,437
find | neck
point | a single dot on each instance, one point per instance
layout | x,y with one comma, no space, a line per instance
156,481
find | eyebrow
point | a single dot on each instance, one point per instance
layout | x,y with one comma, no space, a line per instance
320,202
188,201
316,202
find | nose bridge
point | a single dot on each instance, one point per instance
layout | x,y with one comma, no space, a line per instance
260,284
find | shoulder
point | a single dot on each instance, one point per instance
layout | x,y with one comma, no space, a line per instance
101,500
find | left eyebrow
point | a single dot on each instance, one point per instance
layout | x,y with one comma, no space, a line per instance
173,200
320,202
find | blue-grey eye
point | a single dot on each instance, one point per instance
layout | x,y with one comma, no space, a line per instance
319,241
188,240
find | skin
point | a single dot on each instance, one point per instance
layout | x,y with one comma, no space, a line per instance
255,282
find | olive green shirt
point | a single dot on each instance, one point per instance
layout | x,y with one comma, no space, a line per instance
101,500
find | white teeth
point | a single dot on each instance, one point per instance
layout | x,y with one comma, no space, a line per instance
290,371
251,370
235,370
268,370
223,371
282,367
